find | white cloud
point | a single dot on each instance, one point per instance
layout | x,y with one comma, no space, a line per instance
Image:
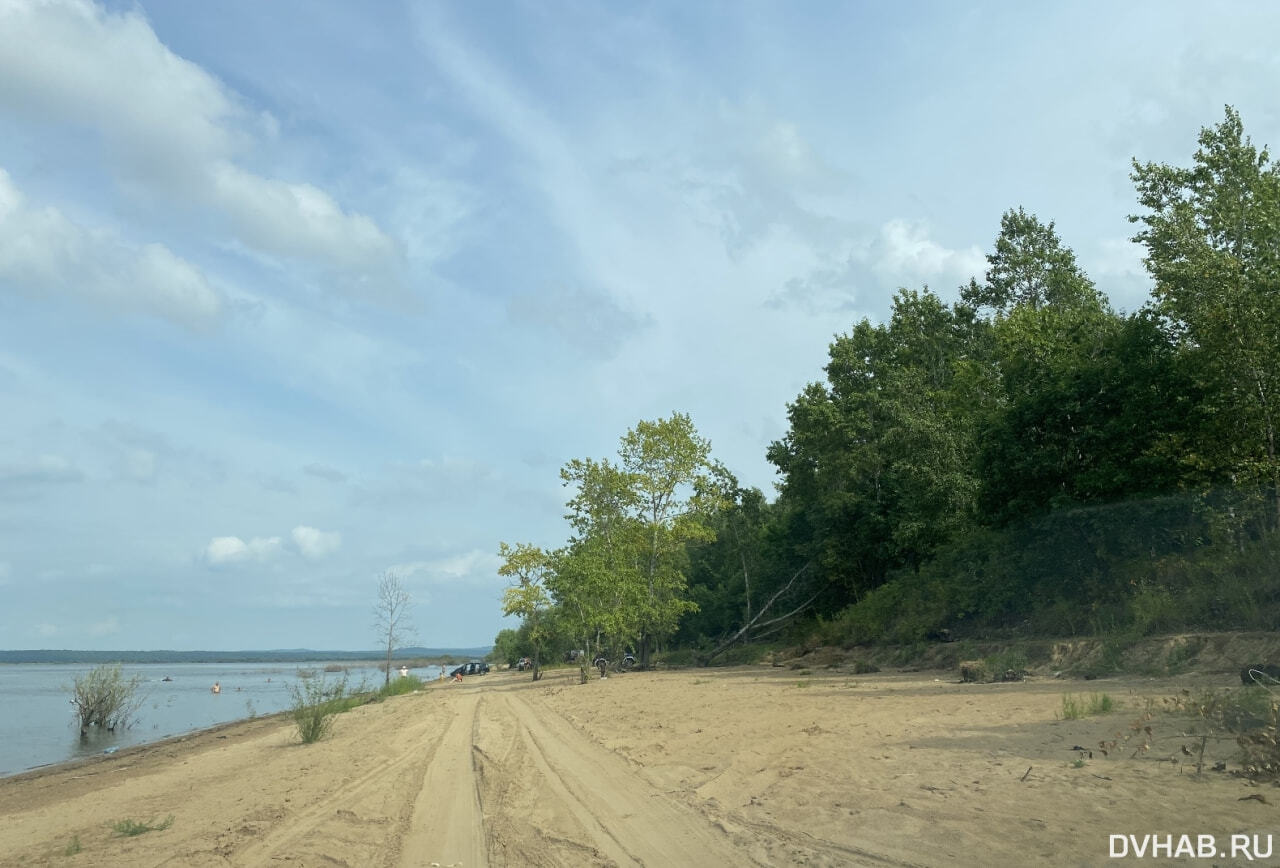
232,549
313,543
158,112
44,252
476,566
297,220
900,254
904,251
171,129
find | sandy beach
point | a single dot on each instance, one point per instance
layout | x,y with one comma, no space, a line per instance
754,765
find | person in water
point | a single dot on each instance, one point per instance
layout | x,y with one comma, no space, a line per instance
216,688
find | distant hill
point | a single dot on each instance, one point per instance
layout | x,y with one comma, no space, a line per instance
288,655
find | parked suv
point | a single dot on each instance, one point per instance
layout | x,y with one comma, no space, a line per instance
475,667
525,663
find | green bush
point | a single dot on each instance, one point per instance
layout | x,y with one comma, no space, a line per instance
315,702
105,698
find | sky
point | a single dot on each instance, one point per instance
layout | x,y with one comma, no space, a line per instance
293,295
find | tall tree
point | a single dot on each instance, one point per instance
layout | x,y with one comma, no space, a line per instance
529,566
1212,233
668,464
391,617
595,580
623,573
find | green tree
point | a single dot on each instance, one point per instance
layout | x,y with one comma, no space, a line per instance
595,580
529,566
1096,408
877,463
1212,233
667,464
1030,267
508,647
623,574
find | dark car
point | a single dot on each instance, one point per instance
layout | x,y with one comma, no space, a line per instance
475,667
525,663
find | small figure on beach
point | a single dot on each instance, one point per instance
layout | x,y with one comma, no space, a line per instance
216,688
442,672
457,676
404,671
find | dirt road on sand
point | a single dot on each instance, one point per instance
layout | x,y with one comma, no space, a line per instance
750,766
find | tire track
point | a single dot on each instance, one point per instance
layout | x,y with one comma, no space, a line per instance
334,816
447,826
629,821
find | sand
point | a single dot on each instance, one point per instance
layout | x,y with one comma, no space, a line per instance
745,766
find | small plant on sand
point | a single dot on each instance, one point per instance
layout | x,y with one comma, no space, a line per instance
131,828
315,702
1076,707
73,847
104,697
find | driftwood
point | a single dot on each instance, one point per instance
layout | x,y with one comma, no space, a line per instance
754,622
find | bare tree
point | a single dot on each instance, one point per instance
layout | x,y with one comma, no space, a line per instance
391,616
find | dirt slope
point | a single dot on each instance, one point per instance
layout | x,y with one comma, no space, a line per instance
731,767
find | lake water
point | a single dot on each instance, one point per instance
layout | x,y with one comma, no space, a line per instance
38,725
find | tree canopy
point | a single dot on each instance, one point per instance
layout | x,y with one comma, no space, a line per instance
1021,458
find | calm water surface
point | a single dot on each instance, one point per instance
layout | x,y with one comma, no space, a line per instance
38,725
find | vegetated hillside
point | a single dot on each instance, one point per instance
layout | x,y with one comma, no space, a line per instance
292,655
1221,653
1027,461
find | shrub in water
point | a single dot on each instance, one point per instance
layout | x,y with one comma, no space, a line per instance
105,698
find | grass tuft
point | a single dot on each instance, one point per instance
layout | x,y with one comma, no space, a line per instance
131,828
1076,707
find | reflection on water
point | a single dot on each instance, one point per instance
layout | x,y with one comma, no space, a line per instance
38,725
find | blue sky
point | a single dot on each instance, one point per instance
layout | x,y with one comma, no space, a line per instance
293,294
